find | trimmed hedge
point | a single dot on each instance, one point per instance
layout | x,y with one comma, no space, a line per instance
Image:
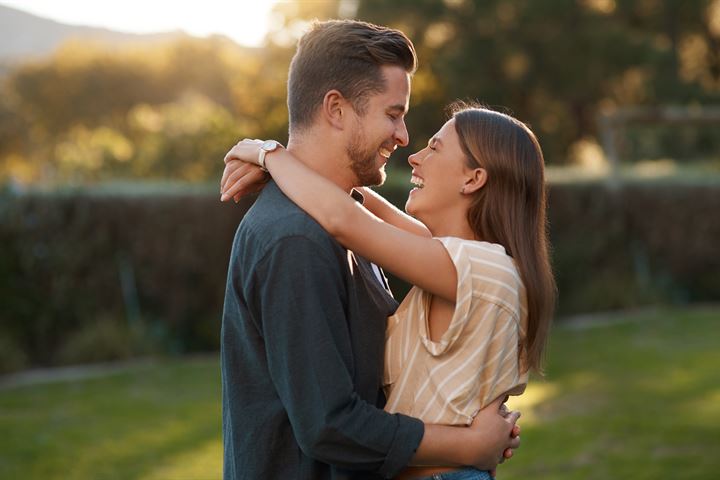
76,266
629,245
151,263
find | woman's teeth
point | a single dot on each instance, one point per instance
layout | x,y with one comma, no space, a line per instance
417,181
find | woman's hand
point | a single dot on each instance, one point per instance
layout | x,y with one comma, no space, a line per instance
246,150
242,176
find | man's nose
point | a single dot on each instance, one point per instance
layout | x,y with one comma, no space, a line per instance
402,138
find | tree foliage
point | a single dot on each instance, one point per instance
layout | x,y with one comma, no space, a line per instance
88,114
557,63
170,111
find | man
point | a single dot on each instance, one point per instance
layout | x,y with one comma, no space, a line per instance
304,320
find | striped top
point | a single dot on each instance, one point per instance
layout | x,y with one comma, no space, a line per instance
477,359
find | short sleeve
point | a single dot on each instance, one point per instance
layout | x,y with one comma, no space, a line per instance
460,259
484,272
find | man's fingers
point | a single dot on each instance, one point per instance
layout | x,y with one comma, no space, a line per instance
236,171
515,443
231,167
249,183
512,417
515,431
226,173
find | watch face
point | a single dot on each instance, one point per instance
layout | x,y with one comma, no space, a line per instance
269,145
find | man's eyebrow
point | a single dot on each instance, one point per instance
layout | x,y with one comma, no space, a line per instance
400,108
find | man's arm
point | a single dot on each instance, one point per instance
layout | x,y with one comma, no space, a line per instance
491,438
299,301
299,304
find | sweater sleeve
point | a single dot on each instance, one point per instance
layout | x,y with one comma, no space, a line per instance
299,302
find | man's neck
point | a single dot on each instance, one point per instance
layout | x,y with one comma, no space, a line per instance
325,159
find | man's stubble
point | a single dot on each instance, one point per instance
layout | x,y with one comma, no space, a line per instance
363,160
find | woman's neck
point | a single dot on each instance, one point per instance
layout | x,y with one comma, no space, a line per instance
452,224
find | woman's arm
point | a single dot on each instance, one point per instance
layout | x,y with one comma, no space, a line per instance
241,178
389,213
418,259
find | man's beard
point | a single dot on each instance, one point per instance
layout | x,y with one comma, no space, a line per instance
363,162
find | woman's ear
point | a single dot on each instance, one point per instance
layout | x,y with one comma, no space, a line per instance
335,109
475,181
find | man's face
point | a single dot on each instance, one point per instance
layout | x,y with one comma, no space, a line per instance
381,129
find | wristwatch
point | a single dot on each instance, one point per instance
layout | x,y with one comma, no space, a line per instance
267,147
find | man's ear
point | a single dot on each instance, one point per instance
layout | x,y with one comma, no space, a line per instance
335,109
476,179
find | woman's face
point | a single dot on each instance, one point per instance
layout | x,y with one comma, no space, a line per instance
439,171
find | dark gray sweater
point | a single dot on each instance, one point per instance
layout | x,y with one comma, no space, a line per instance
303,337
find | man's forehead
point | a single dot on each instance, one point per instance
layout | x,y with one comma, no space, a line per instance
396,95
395,77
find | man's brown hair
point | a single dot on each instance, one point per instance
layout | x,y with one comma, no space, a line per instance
345,55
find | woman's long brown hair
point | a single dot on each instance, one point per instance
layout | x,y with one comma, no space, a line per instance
510,210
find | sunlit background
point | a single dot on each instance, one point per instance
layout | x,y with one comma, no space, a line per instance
244,21
114,119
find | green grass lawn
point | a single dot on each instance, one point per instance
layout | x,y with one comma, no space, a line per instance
638,398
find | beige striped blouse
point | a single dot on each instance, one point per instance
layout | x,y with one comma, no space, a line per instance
477,358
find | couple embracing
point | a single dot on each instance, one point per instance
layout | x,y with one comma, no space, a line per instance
324,375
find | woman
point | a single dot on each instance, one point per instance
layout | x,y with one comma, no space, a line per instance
477,320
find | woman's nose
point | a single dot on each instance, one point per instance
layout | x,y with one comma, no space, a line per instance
414,159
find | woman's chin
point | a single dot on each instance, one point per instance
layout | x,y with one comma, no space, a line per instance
410,208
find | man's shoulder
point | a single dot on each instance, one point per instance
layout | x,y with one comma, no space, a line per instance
274,218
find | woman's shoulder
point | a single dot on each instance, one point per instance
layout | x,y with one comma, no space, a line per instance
487,270
479,253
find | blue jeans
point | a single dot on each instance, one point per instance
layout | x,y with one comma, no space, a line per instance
463,474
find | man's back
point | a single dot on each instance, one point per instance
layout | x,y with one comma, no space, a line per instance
302,346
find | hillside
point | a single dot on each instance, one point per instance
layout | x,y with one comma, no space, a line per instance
23,35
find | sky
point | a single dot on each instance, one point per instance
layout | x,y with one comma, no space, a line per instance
245,21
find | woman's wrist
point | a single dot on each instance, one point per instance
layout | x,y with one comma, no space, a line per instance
266,148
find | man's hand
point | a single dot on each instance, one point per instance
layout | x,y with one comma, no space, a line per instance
515,433
240,177
497,435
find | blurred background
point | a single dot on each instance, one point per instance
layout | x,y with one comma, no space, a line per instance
114,119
